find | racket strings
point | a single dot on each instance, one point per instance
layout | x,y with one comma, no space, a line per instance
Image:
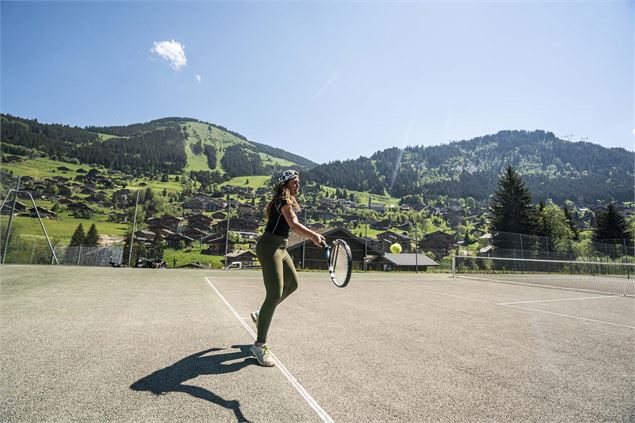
340,261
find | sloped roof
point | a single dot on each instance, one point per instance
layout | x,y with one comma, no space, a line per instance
409,259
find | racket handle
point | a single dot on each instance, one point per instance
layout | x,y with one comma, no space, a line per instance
327,251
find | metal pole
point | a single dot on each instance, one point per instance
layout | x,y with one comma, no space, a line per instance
366,238
416,250
134,225
43,228
6,240
229,204
303,242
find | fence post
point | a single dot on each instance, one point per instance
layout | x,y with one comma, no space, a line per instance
32,252
79,254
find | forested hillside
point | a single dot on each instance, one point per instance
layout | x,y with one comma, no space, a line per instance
163,146
553,168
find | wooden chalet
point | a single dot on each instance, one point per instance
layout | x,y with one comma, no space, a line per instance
216,246
144,237
299,248
44,213
195,233
80,206
7,207
381,225
199,221
391,238
174,240
166,221
237,224
439,243
246,257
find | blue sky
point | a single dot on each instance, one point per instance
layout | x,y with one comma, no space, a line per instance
327,80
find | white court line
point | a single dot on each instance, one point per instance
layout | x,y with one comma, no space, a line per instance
523,308
561,299
537,285
574,317
303,392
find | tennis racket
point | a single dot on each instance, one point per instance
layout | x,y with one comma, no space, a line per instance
340,262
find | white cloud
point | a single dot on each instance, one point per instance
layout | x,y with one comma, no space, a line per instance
198,77
172,51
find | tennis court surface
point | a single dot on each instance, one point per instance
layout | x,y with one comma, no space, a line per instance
104,344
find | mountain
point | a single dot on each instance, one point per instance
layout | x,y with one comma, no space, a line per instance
551,167
168,145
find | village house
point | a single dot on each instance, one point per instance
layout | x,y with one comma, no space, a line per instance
401,262
195,233
306,255
175,240
166,221
391,238
75,207
247,211
216,246
199,221
245,257
439,243
381,225
7,207
120,197
205,204
237,224
378,207
44,213
144,237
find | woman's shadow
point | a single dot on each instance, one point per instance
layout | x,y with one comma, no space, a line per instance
172,378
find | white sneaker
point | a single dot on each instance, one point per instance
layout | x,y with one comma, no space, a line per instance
254,317
263,355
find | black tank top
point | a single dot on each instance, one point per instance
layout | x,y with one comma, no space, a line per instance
277,224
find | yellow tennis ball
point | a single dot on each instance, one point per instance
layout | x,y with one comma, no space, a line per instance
395,248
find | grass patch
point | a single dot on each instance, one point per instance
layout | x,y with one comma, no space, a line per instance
249,181
60,229
41,167
183,257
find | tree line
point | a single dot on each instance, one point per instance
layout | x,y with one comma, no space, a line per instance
516,220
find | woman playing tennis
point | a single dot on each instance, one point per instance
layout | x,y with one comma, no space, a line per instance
278,270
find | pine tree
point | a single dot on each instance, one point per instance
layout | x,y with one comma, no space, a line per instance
157,248
92,237
611,226
511,210
78,236
568,218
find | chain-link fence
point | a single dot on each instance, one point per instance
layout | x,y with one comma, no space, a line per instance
36,251
523,246
90,256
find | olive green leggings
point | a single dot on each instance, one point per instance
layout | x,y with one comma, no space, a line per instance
279,275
